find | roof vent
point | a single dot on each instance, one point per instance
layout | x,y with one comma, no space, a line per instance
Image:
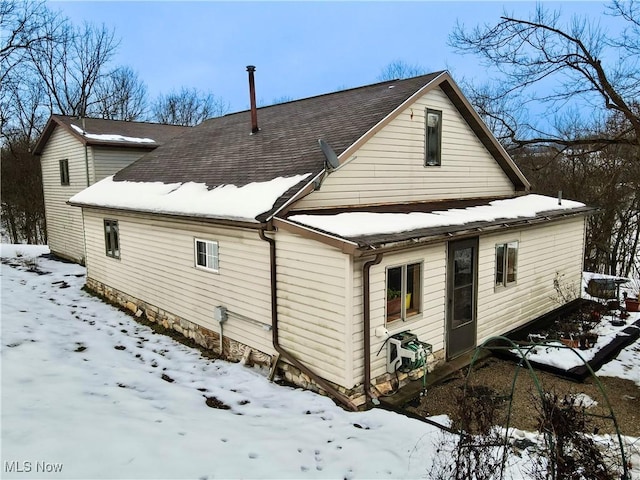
252,95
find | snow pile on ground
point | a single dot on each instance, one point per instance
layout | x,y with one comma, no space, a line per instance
227,201
353,224
86,386
556,354
89,392
626,365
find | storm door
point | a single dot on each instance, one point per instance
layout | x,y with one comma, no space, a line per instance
461,296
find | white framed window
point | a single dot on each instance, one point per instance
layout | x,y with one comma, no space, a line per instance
404,291
111,238
433,138
506,263
206,254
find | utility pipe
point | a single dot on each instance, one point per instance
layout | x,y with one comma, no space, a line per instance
274,332
86,153
366,306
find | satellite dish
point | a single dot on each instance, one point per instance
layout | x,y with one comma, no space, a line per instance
329,154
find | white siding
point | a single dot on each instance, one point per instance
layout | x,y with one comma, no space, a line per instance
110,160
389,167
312,308
543,251
64,223
428,325
157,265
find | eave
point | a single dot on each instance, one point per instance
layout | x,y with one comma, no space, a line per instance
227,222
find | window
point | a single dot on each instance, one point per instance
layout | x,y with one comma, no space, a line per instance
506,263
403,291
111,238
433,138
207,254
64,172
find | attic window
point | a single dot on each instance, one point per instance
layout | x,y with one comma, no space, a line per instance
64,172
433,138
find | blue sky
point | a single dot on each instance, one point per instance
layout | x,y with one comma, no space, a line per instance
299,49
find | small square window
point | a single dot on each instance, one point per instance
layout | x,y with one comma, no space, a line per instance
433,138
404,291
64,172
111,238
506,263
206,254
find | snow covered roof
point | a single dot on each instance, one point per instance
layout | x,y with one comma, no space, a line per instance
110,137
112,133
373,228
228,202
223,152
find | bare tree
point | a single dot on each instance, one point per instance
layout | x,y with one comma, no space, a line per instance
398,69
24,24
22,197
187,107
596,73
48,66
70,65
120,95
564,102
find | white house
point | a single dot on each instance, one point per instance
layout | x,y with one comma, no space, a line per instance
77,152
317,231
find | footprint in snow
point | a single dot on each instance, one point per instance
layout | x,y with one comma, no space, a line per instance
253,455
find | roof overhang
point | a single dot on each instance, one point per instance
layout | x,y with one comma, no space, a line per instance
189,218
486,137
54,122
365,245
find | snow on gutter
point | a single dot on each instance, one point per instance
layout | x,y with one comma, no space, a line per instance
227,202
111,137
359,224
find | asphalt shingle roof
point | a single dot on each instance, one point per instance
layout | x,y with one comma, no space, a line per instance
160,133
222,151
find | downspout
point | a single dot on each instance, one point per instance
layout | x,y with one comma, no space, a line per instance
366,306
274,332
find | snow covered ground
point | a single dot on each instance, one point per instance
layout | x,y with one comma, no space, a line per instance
87,392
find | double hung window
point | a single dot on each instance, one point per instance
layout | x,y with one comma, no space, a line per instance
506,263
403,291
111,238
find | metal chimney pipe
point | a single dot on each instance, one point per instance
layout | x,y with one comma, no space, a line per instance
252,95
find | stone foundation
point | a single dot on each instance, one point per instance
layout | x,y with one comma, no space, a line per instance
390,382
239,352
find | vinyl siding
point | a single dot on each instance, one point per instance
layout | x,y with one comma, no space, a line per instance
110,160
543,251
428,325
312,305
157,265
389,167
64,223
